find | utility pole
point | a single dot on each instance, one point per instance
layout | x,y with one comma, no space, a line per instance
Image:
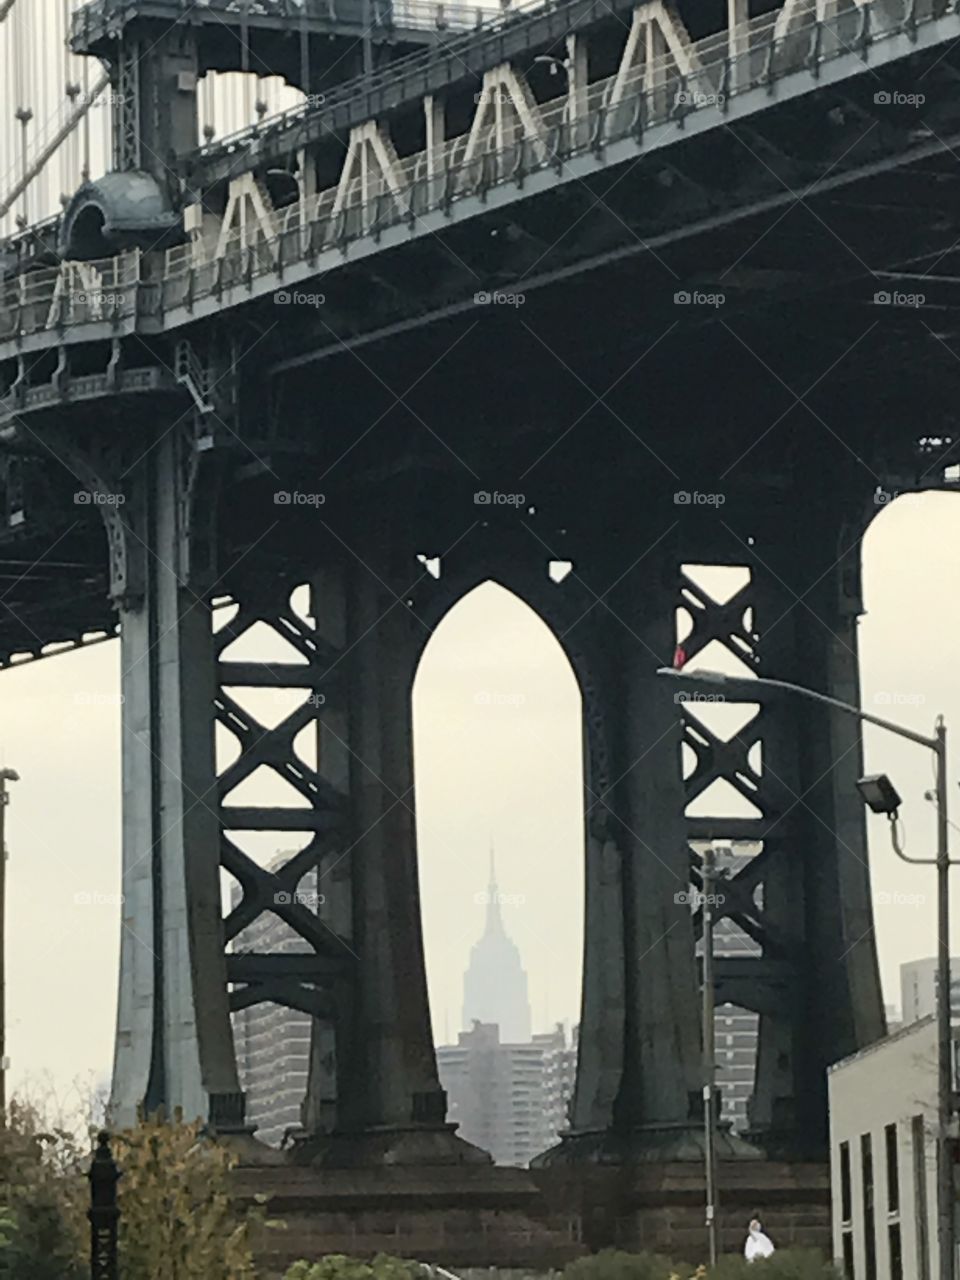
945,1192
709,1049
6,775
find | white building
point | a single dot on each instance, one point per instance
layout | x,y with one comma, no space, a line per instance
883,1149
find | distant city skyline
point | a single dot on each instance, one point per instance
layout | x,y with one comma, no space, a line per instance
498,757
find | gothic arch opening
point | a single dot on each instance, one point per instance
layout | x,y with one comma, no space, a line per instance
908,674
498,758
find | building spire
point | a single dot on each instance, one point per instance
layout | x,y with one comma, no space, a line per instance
494,924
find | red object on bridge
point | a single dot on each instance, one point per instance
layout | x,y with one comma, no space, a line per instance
679,657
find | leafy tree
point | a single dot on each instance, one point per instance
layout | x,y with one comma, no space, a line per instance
177,1221
337,1266
43,1199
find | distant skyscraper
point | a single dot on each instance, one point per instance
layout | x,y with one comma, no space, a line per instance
273,1042
735,1029
918,989
495,983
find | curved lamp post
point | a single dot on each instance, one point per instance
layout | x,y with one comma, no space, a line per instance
880,795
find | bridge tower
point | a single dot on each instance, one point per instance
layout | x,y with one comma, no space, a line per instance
245,490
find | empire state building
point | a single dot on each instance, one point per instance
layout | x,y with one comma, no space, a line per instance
495,981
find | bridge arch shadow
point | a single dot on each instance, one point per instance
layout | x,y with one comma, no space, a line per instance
499,744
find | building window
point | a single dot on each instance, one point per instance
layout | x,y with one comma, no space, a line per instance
869,1226
848,1255
896,1260
893,1168
846,1198
918,1142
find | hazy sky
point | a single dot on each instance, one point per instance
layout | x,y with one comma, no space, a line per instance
498,759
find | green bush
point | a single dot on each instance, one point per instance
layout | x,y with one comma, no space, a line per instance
337,1266
615,1264
786,1264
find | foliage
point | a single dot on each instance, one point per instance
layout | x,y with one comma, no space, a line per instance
615,1264
176,1218
337,1266
786,1264
43,1199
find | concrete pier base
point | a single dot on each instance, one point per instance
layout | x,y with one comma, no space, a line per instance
537,1220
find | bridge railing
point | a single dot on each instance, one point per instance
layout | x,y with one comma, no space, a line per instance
627,104
73,293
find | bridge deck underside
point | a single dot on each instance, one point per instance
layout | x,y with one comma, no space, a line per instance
603,387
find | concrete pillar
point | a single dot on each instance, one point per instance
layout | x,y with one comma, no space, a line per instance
174,1046
657,1109
390,1104
819,882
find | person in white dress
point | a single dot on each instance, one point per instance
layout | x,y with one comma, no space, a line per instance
758,1244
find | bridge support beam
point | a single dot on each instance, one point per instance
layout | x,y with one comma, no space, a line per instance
174,1047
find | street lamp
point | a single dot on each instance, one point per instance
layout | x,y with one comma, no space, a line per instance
6,775
881,796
